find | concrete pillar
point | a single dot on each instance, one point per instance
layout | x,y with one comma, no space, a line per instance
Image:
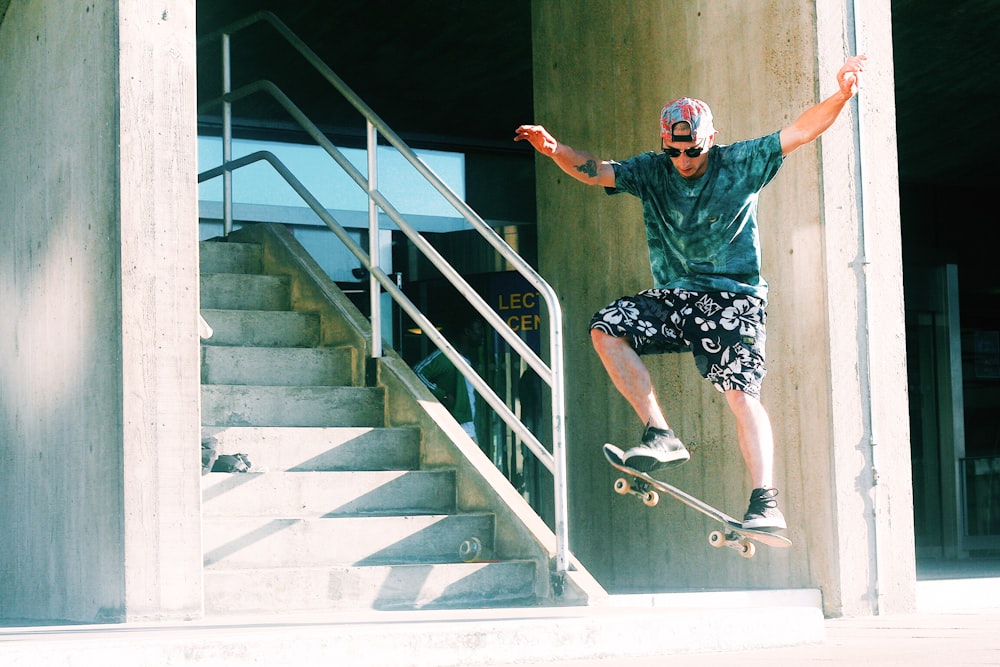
602,72
864,288
99,380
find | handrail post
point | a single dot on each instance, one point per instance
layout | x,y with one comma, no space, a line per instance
560,483
374,243
227,139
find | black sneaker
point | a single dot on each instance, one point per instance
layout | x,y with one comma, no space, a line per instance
763,512
660,448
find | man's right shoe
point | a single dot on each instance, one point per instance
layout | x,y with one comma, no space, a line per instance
763,512
660,449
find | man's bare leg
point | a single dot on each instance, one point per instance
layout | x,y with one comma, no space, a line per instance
659,447
753,431
630,376
756,440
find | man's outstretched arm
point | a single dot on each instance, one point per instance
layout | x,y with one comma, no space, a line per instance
815,120
581,165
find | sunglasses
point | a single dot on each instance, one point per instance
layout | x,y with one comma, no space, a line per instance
676,152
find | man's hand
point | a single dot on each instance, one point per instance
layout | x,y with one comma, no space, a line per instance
847,77
538,137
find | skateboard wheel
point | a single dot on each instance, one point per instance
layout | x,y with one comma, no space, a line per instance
717,538
470,549
622,486
749,550
651,498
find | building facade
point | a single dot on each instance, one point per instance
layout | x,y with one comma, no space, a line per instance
99,364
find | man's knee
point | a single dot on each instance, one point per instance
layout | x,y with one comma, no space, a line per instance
597,337
739,399
742,403
604,341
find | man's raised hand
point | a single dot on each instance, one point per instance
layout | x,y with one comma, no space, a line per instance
848,76
538,137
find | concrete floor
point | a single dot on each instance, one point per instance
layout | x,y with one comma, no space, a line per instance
955,624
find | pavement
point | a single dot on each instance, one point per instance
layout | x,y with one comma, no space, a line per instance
911,639
957,623
952,640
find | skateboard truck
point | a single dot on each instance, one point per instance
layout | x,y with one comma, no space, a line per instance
719,538
638,488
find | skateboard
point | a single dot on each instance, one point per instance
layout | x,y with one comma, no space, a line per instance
732,534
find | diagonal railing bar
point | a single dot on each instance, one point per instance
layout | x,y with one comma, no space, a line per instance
454,277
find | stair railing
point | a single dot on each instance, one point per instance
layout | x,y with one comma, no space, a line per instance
551,373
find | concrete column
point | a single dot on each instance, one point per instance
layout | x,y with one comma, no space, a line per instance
159,309
602,72
99,380
864,286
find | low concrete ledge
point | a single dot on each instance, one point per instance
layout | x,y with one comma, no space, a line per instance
626,626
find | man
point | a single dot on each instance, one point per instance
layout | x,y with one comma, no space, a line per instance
447,383
699,203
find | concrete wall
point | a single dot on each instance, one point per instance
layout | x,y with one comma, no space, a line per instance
602,72
99,412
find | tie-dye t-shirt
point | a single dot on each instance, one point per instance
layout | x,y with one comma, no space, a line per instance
702,233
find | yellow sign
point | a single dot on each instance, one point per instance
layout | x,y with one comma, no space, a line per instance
513,306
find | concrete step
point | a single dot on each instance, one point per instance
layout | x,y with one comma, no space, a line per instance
291,366
262,328
385,587
226,257
244,405
328,494
389,540
236,291
336,514
331,448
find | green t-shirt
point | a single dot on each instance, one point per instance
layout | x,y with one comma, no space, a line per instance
702,233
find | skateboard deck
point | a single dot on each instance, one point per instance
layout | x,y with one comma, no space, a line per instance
732,534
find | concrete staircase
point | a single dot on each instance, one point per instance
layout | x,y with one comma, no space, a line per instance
359,495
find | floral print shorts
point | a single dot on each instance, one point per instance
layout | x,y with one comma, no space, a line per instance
724,332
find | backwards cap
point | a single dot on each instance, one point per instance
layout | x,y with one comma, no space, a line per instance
686,110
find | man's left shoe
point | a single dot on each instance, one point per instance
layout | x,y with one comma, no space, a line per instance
763,512
659,448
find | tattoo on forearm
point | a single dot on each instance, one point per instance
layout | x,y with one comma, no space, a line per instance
589,168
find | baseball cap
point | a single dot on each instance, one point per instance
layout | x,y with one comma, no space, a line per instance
686,110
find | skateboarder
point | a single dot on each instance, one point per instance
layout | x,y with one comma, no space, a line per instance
699,202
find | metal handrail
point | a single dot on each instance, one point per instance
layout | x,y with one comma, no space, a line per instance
552,374
390,286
